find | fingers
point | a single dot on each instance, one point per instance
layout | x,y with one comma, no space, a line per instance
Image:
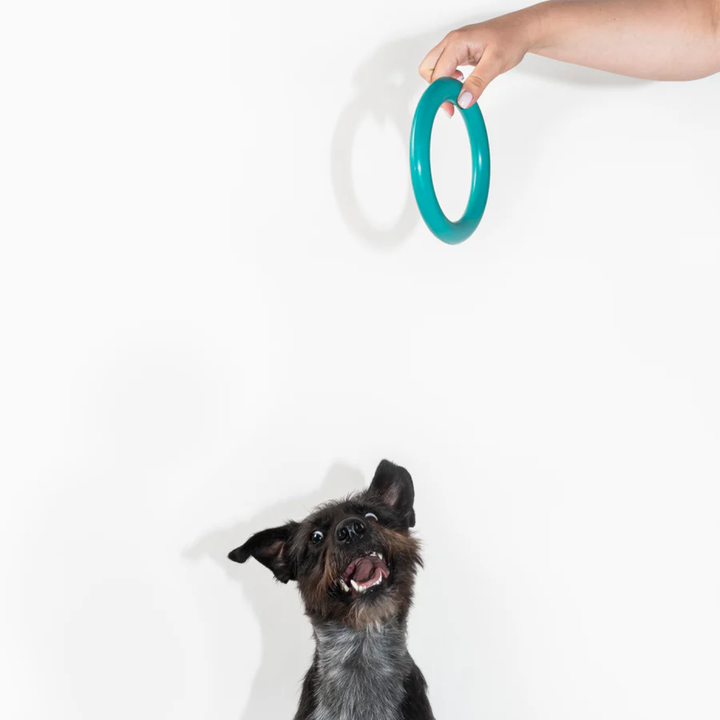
428,64
489,67
444,58
446,64
493,47
456,49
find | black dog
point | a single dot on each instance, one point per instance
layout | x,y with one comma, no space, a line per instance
355,562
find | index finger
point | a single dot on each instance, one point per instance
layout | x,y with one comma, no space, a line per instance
428,64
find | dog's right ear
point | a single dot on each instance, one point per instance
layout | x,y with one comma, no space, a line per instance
271,548
393,485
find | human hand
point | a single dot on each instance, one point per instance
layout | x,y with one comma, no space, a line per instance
493,47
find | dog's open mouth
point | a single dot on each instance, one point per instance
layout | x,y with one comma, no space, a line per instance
363,573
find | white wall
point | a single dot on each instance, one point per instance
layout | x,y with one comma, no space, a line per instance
219,306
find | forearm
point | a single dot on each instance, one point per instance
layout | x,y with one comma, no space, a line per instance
649,39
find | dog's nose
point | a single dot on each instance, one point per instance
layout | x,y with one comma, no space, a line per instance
349,530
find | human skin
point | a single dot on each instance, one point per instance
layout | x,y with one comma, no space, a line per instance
648,39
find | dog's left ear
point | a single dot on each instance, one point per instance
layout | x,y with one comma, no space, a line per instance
394,486
271,548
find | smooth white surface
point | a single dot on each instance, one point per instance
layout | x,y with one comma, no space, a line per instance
219,306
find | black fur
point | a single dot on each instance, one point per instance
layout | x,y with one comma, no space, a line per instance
355,562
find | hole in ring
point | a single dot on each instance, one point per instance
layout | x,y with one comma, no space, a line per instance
451,164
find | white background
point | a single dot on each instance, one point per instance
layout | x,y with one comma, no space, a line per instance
219,307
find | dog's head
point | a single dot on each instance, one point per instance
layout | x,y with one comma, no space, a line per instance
354,559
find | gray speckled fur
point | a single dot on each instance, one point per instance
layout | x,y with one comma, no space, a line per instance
359,673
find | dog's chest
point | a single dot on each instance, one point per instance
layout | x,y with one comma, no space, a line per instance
360,674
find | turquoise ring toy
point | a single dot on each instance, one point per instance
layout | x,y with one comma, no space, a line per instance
443,90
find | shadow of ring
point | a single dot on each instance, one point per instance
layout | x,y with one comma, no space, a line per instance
345,132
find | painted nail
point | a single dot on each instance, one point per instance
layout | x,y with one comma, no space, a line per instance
465,100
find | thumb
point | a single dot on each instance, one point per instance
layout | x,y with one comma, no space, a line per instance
489,67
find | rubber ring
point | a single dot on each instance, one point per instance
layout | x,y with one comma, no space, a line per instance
452,233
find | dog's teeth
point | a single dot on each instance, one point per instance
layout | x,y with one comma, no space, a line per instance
344,586
380,555
356,586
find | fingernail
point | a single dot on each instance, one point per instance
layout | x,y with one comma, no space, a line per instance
446,112
465,100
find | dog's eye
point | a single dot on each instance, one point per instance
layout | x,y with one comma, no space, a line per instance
371,516
316,537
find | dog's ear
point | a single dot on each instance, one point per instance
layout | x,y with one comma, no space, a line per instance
272,548
393,485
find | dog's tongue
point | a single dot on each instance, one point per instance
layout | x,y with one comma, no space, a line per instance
365,569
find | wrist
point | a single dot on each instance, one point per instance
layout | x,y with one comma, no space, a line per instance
534,20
